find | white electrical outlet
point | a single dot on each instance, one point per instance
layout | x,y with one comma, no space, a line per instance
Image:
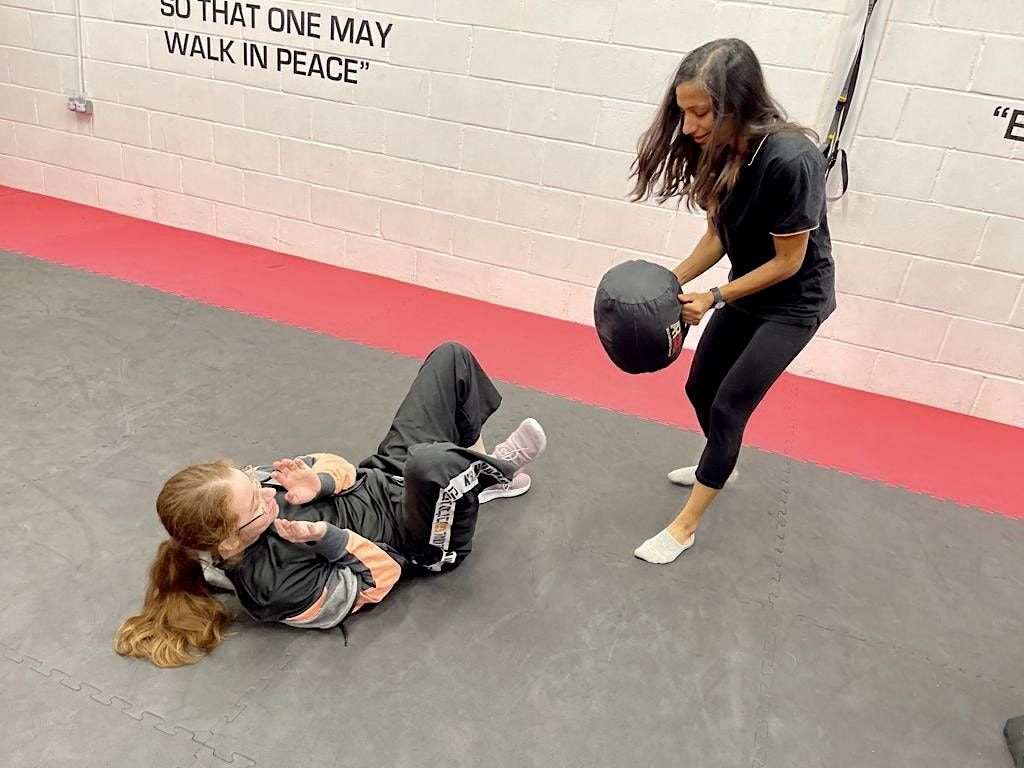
80,104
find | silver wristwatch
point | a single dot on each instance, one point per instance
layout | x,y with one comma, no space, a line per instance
717,296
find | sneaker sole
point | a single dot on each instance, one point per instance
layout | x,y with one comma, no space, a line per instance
490,495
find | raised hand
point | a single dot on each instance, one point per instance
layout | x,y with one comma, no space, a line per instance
300,531
300,481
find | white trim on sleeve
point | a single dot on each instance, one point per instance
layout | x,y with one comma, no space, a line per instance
791,234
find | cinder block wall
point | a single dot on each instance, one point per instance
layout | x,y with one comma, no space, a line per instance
485,150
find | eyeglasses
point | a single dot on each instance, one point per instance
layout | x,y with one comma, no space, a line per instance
250,472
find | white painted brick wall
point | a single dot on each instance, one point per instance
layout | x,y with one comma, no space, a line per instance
350,126
997,398
448,273
972,130
185,212
70,185
52,112
487,152
434,46
125,125
665,24
941,58
586,169
890,327
247,226
273,194
604,70
984,347
129,199
998,69
315,163
905,225
53,33
346,212
414,225
870,272
423,139
369,254
469,100
409,90
981,183
152,168
547,210
210,181
961,290
42,71
462,193
555,114
15,27
503,154
585,19
23,174
1001,246
278,113
17,104
1001,16
246,149
625,225
182,136
386,177
911,379
311,241
502,14
896,169
490,243
110,41
515,57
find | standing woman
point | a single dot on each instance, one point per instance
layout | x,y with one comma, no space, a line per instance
720,142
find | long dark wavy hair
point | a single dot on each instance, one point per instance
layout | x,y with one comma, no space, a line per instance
671,164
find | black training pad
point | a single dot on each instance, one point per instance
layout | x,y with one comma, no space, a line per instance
821,620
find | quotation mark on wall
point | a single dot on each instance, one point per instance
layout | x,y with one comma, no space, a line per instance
1015,126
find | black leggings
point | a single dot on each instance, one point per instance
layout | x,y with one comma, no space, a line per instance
429,446
737,360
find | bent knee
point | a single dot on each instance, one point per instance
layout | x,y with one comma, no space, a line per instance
450,350
425,457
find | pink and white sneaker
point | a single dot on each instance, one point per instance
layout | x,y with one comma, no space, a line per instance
517,486
522,446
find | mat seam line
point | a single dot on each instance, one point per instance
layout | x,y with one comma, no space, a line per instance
41,668
759,758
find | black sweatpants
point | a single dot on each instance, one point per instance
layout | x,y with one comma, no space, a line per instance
737,360
428,444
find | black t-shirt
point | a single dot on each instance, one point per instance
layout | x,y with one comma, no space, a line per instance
276,578
781,191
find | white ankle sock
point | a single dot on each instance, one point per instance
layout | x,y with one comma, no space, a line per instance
662,548
688,476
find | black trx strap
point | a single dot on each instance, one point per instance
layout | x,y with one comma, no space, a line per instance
831,146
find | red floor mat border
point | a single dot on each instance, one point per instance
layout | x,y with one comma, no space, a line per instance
946,455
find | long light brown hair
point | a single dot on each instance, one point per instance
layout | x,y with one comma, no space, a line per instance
181,621
671,164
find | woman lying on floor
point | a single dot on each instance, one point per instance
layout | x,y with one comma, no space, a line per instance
310,540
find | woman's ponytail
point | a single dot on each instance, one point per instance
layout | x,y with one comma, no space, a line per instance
181,621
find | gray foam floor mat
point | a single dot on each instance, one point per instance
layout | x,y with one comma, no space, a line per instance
821,620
